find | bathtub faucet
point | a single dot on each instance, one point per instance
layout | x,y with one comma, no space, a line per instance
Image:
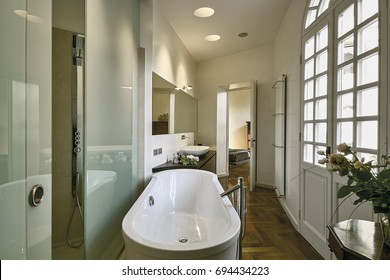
240,208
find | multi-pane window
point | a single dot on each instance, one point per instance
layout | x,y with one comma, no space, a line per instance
357,69
315,104
354,85
316,8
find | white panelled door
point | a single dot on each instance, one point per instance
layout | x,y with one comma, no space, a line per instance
342,93
316,121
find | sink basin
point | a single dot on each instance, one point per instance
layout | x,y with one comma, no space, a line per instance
195,150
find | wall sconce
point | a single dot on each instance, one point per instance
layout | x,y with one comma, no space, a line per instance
189,87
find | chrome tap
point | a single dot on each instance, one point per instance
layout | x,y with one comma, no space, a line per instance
233,189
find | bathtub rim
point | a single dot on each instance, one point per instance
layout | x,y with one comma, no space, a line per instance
106,176
161,250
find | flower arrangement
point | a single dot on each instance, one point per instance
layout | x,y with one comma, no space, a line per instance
188,160
368,181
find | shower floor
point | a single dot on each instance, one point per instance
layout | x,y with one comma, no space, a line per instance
67,253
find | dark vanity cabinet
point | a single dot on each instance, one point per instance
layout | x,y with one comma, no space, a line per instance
206,162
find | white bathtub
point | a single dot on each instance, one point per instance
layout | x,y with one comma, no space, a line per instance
180,215
100,194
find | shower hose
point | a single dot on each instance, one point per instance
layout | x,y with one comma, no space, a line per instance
71,244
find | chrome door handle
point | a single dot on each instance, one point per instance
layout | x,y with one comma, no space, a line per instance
36,195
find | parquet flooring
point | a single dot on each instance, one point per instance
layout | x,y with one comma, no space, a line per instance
269,233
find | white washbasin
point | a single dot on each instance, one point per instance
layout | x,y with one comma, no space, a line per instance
195,150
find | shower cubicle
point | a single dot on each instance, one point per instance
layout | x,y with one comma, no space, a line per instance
67,149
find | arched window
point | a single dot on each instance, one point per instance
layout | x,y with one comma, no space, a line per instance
315,9
341,69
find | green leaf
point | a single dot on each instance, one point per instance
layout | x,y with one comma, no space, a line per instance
364,175
343,172
384,174
344,191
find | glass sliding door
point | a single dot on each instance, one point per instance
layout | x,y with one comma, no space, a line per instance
111,68
25,129
12,131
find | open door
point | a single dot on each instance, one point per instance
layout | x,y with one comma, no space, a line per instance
223,129
253,134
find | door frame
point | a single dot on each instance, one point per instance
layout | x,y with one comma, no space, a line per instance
223,128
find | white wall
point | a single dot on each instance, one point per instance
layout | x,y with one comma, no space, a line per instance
287,61
169,58
256,64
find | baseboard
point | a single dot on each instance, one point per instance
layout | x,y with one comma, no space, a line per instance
223,175
265,186
291,217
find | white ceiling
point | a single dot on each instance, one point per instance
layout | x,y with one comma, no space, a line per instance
260,18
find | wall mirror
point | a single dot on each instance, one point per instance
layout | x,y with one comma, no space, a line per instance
174,111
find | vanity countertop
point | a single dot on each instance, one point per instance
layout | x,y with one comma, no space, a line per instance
203,160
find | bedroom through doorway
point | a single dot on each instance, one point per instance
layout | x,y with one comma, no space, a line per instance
239,133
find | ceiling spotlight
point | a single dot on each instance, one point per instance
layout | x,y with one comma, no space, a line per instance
204,12
188,87
212,38
243,34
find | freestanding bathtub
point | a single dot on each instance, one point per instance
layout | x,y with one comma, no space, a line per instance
181,215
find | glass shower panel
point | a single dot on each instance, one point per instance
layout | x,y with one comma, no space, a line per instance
38,126
12,131
111,69
25,124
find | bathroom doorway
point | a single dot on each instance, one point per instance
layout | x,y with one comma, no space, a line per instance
239,133
247,152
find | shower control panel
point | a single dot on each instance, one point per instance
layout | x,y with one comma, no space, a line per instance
77,142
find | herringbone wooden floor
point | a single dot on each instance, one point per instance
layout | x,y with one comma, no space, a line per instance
269,233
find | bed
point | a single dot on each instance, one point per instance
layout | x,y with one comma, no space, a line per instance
239,156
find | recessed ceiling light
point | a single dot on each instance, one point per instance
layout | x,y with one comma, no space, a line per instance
212,38
204,12
243,34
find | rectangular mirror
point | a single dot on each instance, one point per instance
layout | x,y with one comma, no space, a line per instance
173,110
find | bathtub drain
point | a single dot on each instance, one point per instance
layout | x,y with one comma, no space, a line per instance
183,239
